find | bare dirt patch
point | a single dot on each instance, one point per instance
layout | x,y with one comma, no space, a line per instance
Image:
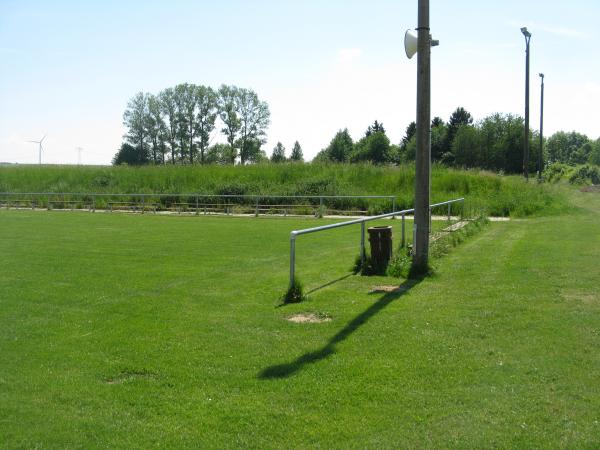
593,188
308,318
586,298
385,289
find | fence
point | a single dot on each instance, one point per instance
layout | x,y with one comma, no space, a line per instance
362,222
204,203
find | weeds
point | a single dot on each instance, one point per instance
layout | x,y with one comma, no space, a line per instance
294,294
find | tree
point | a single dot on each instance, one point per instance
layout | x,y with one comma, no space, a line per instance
278,155
253,153
206,102
156,129
437,121
227,101
185,99
374,148
297,155
594,157
439,132
375,128
254,119
219,154
135,119
501,138
340,147
411,130
128,154
466,146
458,118
562,147
168,108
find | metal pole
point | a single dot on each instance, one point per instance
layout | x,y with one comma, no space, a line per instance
422,165
527,35
541,152
362,245
403,231
292,259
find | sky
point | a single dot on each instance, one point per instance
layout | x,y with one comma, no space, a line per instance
68,68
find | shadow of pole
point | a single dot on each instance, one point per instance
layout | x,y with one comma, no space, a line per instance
287,370
330,283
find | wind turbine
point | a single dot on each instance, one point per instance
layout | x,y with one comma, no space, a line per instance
40,147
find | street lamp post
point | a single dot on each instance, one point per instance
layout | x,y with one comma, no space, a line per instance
541,152
527,35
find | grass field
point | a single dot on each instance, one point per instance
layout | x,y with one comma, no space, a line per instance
140,331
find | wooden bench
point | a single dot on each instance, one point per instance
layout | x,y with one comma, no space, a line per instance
18,203
206,208
284,209
71,203
346,212
132,206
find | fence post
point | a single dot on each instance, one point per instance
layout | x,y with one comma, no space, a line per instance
462,210
143,203
362,245
292,259
449,205
196,205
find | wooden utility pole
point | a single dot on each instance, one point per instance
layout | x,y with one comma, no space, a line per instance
423,156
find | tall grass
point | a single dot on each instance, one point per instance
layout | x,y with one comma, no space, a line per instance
490,193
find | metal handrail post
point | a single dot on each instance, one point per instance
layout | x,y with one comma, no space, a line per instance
403,231
292,259
362,245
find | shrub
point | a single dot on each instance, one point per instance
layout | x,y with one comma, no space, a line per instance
585,174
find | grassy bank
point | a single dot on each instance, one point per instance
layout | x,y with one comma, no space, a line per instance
497,195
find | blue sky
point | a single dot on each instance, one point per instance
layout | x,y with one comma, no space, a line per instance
68,68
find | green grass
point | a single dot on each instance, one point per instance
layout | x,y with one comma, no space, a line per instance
139,331
497,195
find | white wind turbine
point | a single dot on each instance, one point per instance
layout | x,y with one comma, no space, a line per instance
40,148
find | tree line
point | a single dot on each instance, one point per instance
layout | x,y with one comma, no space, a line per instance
177,124
494,143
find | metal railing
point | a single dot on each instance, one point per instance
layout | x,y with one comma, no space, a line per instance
139,200
362,221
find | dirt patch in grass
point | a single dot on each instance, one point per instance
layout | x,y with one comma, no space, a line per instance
309,318
586,298
129,375
385,289
593,188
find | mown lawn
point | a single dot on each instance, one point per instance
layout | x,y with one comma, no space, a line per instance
140,331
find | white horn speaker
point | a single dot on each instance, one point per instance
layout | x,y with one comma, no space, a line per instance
410,43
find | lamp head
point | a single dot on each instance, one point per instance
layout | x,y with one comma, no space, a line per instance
525,32
541,75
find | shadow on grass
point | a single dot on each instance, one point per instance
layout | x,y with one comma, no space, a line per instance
289,369
330,283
